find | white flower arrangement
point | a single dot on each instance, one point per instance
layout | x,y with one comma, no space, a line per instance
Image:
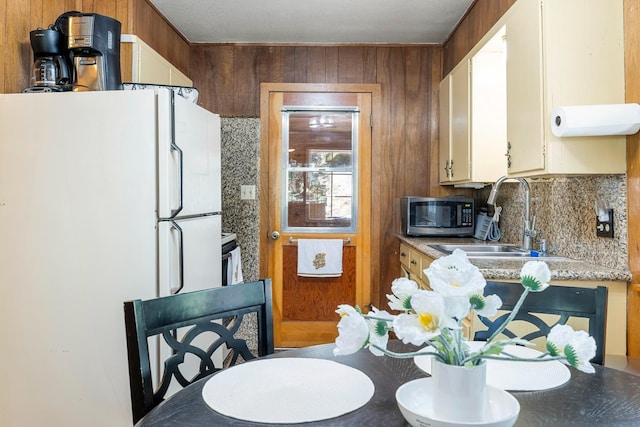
434,318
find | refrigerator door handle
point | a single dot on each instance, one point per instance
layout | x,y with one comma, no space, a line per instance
174,147
177,289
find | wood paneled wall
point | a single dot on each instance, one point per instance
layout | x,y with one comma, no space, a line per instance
479,19
150,26
409,79
19,17
407,151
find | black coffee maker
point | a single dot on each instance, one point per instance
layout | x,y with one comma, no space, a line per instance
51,69
93,42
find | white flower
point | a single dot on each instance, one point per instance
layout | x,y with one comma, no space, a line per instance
378,330
423,325
577,346
454,276
535,275
353,331
486,306
402,289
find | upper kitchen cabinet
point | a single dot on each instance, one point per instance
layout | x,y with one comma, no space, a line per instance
561,53
142,64
454,126
473,117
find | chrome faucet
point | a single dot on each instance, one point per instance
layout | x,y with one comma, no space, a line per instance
528,228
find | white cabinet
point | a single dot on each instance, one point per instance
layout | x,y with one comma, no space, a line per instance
560,53
148,66
472,116
454,125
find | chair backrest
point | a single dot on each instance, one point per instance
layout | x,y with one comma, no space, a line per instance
193,324
563,301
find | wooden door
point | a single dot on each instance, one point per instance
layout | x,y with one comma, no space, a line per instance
294,170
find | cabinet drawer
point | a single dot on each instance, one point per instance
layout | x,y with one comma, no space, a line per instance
404,255
426,262
415,263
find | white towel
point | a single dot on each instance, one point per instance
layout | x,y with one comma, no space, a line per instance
320,257
234,267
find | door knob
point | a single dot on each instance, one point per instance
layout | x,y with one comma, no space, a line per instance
275,235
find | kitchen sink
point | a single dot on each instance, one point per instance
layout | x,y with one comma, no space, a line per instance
490,251
483,249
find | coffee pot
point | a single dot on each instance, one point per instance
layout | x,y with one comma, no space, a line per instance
51,69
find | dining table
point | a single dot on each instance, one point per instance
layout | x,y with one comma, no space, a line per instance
607,397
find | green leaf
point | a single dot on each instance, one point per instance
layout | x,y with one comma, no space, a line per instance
381,328
477,302
407,303
494,350
571,355
530,282
552,349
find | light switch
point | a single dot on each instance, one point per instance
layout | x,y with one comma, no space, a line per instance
247,192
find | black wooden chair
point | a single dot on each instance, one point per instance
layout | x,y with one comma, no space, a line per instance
210,317
563,301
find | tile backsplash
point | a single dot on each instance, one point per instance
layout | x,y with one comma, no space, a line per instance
564,208
240,157
241,166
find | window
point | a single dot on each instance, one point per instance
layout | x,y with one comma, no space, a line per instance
321,168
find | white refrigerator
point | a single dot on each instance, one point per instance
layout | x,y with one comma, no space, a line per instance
104,197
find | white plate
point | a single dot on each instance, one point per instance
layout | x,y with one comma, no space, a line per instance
414,401
515,375
287,390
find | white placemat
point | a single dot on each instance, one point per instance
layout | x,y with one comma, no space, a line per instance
287,390
514,375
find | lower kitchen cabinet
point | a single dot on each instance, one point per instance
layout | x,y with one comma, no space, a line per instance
616,329
412,265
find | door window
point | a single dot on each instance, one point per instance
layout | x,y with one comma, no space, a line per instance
320,168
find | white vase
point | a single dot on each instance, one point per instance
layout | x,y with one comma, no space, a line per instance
459,392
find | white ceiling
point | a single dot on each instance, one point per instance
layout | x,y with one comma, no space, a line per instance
314,22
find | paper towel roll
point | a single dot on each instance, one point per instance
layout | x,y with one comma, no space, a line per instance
596,120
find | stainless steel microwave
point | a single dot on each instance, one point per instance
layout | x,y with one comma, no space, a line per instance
437,216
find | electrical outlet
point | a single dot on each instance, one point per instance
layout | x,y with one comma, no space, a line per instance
605,228
247,192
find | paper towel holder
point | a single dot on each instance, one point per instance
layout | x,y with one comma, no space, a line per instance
595,120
